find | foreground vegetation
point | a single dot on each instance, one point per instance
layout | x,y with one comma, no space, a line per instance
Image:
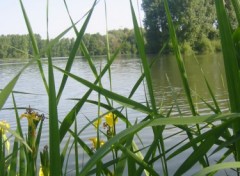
214,135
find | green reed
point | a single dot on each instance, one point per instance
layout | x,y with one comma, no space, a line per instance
206,135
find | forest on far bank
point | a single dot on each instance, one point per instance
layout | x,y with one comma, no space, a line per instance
19,46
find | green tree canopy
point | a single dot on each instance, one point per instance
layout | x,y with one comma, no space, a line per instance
19,46
195,23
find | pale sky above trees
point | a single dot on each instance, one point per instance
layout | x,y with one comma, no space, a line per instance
118,15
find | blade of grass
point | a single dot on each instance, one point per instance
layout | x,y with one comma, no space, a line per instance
16,135
68,120
132,168
86,54
22,165
151,152
217,167
82,45
202,149
179,59
217,110
34,44
117,112
83,48
51,43
74,51
230,58
118,98
141,162
200,138
106,148
236,6
141,48
231,66
13,166
4,94
54,137
140,80
7,90
182,71
2,155
226,144
76,148
174,96
64,151
39,133
88,150
224,156
123,159
108,48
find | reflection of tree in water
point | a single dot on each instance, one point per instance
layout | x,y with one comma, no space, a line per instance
170,92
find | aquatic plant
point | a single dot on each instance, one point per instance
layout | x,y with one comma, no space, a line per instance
204,136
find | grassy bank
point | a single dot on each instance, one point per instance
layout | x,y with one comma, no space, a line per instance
216,134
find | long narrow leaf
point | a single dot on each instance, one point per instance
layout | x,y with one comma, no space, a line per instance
199,153
236,5
69,119
120,99
141,48
101,152
179,59
4,94
74,51
231,66
13,165
54,139
2,155
218,167
142,163
34,44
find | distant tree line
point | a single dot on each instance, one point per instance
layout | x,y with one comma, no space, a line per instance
19,46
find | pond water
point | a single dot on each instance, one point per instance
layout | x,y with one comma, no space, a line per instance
125,71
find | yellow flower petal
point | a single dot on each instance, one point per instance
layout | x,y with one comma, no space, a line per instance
111,119
31,117
4,126
40,172
95,142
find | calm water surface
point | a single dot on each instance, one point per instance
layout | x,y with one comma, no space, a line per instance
125,72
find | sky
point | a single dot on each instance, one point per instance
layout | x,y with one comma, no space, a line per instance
118,16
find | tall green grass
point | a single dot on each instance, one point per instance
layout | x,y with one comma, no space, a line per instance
214,134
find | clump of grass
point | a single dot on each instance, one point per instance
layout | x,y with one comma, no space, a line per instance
206,135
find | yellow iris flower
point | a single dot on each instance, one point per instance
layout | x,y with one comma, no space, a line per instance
4,126
95,142
111,119
40,172
31,117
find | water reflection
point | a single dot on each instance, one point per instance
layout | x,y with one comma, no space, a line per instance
168,85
